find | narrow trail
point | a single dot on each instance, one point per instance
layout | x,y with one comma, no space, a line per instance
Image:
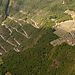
24,32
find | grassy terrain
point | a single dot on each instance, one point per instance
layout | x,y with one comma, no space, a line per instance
38,56
42,59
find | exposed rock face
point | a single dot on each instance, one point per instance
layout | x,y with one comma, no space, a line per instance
65,30
8,73
71,13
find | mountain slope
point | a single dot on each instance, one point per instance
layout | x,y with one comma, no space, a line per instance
25,36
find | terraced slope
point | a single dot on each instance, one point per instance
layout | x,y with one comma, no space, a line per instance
25,36
18,36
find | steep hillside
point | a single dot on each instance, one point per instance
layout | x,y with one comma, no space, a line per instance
25,36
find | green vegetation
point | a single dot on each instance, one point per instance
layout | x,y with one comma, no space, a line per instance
38,56
42,59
